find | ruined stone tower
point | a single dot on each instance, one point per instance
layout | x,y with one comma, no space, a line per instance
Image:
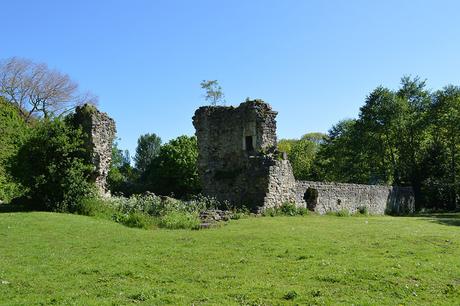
238,160
100,132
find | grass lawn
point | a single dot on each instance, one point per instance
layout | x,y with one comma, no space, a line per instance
48,258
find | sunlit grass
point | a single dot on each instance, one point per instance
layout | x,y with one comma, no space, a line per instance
48,258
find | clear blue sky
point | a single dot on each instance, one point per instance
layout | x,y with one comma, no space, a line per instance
314,61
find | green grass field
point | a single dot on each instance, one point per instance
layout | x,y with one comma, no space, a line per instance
48,258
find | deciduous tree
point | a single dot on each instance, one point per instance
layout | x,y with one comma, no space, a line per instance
214,94
148,147
38,90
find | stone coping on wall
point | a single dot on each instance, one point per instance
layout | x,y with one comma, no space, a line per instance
316,183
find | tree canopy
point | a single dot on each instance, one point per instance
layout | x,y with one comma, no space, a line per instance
408,136
148,147
174,170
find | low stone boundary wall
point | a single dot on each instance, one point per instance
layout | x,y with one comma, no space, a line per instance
332,197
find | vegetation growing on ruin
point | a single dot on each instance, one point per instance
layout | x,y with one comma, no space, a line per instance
70,259
213,92
286,209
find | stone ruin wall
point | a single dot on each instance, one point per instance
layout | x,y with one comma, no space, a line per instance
282,186
238,161
101,130
332,197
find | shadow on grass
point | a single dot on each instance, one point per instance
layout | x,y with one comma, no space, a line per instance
11,208
454,222
452,219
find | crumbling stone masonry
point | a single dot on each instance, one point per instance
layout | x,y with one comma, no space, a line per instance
100,131
238,162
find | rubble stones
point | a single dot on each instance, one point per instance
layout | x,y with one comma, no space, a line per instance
214,217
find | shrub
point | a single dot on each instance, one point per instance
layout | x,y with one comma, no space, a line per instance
147,204
88,207
133,219
303,211
363,210
270,212
94,207
343,213
136,219
145,211
13,132
240,213
237,215
54,167
200,202
157,206
288,209
180,219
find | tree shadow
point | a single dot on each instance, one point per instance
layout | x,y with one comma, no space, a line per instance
12,208
452,219
448,222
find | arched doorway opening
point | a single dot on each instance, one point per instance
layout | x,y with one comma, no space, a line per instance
311,198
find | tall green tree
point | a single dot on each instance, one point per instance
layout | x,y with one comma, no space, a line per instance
301,157
382,120
414,134
174,170
285,145
148,147
404,137
341,158
446,111
122,177
315,137
302,153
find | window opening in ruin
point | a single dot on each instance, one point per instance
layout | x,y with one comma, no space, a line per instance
339,201
311,198
249,146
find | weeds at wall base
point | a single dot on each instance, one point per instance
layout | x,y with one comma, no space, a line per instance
286,209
